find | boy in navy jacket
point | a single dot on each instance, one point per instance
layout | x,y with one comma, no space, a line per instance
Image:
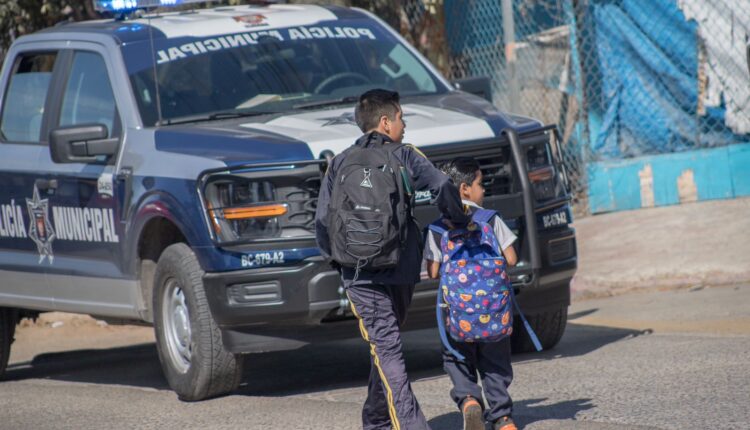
380,299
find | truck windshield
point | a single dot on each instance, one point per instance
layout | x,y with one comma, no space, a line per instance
269,71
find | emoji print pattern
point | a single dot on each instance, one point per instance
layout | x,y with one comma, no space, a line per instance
475,285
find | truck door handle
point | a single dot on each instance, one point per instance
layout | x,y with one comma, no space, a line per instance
126,177
44,184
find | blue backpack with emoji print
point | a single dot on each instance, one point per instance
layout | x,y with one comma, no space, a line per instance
474,286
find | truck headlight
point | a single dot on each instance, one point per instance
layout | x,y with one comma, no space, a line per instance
241,209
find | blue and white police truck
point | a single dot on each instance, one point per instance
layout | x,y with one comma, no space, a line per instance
163,168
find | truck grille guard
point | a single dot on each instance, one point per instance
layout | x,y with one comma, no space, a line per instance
302,196
504,186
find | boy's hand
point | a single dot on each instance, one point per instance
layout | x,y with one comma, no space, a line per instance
433,269
510,256
452,226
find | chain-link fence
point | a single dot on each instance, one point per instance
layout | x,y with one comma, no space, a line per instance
620,78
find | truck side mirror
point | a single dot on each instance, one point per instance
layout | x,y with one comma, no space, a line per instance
479,86
81,143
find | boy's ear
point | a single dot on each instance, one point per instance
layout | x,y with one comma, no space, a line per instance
463,188
385,123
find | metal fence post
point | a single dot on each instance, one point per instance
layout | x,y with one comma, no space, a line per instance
580,134
509,38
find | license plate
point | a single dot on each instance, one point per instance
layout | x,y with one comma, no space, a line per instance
554,219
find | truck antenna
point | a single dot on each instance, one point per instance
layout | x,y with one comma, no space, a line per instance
156,75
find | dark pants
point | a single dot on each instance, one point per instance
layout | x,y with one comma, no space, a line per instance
492,360
381,310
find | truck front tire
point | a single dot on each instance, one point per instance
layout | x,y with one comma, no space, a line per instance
7,330
188,340
548,326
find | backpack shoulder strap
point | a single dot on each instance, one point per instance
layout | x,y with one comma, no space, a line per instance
438,227
488,237
405,182
483,215
527,326
441,325
393,146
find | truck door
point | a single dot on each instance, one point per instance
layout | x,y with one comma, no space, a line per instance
26,238
87,273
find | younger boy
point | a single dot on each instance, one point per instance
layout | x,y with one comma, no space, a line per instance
491,359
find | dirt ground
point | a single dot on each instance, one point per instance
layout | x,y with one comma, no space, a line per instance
684,246
59,332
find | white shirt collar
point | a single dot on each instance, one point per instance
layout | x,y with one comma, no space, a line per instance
470,203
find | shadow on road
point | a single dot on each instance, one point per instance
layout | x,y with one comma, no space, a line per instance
581,314
136,365
313,368
525,412
449,421
531,410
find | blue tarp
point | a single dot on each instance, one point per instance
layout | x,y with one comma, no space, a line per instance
643,91
638,67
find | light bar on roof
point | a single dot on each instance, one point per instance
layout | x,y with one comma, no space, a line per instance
128,5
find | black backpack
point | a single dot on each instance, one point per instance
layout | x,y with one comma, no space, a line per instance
369,208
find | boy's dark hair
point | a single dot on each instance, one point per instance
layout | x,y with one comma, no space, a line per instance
373,105
462,170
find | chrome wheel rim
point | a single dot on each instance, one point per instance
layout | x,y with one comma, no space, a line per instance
177,330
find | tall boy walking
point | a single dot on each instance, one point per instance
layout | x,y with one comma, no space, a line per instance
491,359
381,298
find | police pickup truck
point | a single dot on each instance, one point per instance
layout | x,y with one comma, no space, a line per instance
163,168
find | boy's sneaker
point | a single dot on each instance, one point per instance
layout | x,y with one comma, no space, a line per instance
472,412
504,423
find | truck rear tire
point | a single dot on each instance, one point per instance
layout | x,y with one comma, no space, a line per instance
7,330
188,339
548,326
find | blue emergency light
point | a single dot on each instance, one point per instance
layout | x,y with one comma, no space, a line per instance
129,5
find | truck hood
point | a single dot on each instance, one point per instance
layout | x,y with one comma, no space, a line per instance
335,129
430,120
231,144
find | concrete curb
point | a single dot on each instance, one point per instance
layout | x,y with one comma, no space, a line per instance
582,288
683,246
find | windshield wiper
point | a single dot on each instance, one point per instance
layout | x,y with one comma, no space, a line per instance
331,102
212,117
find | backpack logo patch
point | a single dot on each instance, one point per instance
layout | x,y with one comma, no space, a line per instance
366,183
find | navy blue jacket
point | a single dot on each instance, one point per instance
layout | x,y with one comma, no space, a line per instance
424,175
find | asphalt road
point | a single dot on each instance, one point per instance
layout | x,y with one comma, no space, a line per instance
666,360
